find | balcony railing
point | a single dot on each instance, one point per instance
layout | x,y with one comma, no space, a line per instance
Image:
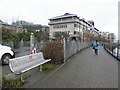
63,21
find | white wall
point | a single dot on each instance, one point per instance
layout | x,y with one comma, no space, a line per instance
70,26
0,34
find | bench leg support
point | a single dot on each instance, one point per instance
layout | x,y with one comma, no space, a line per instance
21,77
40,68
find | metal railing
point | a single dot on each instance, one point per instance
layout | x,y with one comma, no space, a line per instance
113,49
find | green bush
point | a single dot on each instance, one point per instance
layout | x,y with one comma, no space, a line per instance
15,39
8,35
54,51
24,35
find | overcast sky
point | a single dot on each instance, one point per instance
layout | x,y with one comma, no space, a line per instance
103,12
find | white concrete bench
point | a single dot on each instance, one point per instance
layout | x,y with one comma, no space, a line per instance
22,64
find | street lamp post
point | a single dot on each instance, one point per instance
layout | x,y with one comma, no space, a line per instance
31,41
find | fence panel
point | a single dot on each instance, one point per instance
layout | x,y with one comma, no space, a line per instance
72,47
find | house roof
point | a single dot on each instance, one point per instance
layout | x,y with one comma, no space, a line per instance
64,16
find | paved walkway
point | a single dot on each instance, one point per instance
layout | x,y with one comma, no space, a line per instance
84,70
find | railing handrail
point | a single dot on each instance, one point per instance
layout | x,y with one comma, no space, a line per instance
110,48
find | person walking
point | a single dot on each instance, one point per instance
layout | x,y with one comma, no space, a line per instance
96,46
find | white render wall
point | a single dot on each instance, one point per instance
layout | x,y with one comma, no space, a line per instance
70,28
119,25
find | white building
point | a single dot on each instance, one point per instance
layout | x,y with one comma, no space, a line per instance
70,24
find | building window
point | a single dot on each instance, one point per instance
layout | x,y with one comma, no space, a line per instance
75,25
60,26
68,18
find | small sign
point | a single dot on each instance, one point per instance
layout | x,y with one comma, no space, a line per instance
33,51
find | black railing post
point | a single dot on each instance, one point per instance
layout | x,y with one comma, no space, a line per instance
118,51
112,50
109,47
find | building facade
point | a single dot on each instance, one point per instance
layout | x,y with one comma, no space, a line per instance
111,37
72,24
67,23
